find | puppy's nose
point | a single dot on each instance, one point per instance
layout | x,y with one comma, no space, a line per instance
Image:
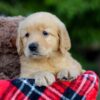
33,46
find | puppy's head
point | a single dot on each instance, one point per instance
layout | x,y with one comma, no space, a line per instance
42,34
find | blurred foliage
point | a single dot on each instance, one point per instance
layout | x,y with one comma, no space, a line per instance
82,18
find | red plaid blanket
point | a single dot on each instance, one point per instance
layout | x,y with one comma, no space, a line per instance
85,87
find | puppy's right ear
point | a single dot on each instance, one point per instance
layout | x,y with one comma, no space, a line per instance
19,43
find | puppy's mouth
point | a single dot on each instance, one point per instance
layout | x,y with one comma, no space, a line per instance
35,54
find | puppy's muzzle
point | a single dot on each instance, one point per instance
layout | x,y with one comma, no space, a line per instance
33,47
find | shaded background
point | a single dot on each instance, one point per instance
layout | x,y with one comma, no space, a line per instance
81,17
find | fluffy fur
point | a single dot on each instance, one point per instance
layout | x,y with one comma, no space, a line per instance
53,57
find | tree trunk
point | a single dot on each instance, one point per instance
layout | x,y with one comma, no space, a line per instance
9,59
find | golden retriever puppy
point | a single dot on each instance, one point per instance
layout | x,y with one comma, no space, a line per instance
43,44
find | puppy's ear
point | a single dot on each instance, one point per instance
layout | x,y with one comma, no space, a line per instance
19,44
64,40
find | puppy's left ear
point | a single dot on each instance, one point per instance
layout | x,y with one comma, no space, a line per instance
64,40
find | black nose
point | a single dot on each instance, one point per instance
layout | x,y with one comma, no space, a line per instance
33,46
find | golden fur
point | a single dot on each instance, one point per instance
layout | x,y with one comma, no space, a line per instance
53,56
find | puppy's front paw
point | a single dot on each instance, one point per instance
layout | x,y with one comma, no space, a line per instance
63,74
66,74
44,78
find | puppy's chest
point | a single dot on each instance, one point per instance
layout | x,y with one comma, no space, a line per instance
31,67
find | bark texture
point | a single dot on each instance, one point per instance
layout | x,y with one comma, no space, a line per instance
9,59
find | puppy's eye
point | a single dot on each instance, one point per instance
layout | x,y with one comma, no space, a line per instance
27,35
45,33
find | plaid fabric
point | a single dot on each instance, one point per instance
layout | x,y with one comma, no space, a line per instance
85,87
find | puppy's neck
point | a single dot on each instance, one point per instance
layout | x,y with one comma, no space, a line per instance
31,66
52,64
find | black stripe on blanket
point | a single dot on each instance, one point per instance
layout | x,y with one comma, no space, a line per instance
28,87
69,94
